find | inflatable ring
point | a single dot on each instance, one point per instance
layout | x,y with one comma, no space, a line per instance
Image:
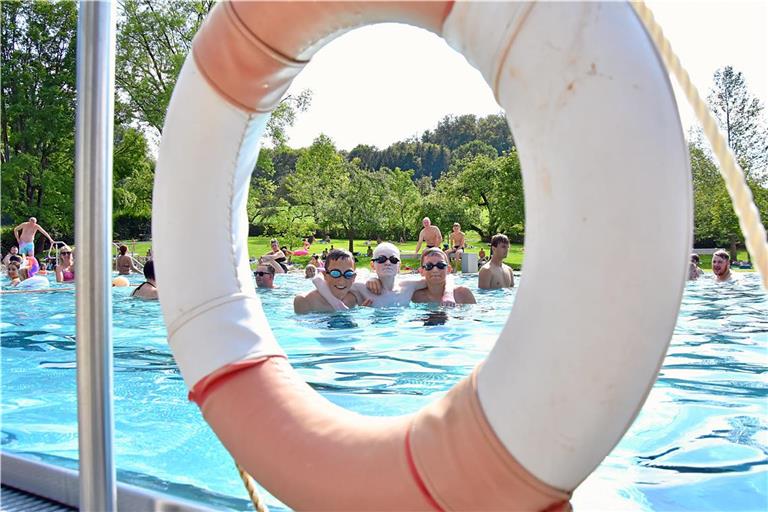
608,218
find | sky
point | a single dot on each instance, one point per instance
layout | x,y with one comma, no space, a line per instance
380,84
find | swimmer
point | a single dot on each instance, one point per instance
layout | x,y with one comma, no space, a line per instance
148,289
495,273
337,280
435,268
13,252
12,271
721,266
386,289
265,276
694,271
65,267
124,262
310,271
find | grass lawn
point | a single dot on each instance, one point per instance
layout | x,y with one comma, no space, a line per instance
258,245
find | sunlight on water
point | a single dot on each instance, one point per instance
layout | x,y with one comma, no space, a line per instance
700,442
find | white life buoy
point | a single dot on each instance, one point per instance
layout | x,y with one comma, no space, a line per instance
608,227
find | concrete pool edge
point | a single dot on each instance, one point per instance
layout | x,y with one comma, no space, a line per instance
62,485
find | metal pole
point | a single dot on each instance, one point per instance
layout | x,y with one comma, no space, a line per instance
93,238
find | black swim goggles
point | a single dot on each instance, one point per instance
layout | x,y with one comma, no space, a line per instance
383,259
440,265
336,273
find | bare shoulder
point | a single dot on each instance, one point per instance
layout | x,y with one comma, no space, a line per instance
463,295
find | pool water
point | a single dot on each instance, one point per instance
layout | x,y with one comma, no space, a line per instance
700,443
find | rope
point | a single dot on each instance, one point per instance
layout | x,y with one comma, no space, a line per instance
741,195
258,503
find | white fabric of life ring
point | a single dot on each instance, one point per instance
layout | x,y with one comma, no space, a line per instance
608,217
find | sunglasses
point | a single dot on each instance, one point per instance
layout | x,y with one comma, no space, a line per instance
440,265
383,259
336,273
262,274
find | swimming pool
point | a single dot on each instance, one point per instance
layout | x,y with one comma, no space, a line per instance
700,442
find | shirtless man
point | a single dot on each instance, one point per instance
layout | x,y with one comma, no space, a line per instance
434,268
25,236
386,289
13,252
429,234
721,266
456,240
495,274
339,276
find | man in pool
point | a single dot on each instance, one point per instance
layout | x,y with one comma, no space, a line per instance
338,278
434,268
496,274
429,235
265,276
25,236
721,266
386,289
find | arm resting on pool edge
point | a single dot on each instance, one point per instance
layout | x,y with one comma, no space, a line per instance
316,455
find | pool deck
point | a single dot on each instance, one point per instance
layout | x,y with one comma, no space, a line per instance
44,486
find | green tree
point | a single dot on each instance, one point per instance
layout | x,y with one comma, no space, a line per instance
38,111
739,116
403,201
153,40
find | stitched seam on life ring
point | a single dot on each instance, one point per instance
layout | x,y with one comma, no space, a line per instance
231,222
229,99
203,308
512,35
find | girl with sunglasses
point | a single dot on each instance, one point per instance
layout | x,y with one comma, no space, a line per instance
65,266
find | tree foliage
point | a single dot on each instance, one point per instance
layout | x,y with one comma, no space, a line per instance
739,114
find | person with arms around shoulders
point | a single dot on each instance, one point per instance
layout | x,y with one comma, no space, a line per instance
339,276
265,276
65,266
25,236
495,273
694,271
148,289
721,266
435,268
429,235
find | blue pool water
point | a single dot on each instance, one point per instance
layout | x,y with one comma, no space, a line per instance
699,444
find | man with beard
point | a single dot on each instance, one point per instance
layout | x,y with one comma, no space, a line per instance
721,266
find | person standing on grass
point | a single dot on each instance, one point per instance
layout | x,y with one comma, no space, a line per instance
25,236
495,273
429,235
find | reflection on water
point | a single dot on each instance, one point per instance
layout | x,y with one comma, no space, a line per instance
700,442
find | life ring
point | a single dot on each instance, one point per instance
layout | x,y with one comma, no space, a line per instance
607,184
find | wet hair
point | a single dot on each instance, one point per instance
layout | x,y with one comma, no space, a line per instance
431,251
695,258
722,253
15,259
338,254
499,238
12,265
149,270
24,273
123,249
